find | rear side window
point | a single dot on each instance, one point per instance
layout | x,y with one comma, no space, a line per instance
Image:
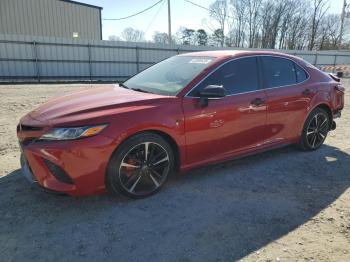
278,71
238,76
301,74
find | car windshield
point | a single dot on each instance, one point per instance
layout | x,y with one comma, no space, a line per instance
169,76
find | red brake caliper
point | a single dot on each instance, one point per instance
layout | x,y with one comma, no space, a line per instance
130,170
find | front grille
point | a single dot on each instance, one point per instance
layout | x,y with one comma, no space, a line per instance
58,172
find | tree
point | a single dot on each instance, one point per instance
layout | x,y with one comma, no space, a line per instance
219,12
272,17
187,36
217,36
253,17
160,38
230,38
285,23
319,10
239,12
133,35
202,37
329,32
282,24
296,35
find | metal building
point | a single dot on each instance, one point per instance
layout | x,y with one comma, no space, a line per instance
51,18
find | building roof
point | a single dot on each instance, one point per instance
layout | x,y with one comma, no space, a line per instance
79,3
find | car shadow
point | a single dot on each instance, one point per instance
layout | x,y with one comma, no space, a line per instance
222,212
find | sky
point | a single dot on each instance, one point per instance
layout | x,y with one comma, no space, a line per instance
156,19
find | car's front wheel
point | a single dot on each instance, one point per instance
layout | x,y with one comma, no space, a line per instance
315,130
140,166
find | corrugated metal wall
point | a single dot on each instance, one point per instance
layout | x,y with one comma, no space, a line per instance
40,59
52,18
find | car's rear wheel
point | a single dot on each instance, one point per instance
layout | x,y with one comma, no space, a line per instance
315,130
140,166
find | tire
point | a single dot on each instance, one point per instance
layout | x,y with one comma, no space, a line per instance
315,130
132,174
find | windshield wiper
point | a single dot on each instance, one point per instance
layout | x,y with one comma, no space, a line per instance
123,85
135,89
141,90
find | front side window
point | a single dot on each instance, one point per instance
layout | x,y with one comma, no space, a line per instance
237,76
278,71
170,76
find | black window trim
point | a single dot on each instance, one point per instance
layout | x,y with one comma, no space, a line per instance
261,78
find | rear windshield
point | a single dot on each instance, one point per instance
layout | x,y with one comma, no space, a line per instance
170,76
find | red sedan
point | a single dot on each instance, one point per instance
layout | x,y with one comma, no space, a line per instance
187,111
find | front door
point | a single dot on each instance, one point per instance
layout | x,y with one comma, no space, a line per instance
229,125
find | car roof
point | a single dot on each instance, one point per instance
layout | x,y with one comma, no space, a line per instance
234,53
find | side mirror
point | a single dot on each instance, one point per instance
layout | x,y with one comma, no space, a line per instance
211,92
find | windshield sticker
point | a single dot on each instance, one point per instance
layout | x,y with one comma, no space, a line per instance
200,61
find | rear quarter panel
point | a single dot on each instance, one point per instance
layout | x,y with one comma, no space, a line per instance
324,87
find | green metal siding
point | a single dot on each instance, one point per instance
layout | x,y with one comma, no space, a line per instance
52,18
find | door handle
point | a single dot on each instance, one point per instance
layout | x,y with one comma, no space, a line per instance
257,101
307,92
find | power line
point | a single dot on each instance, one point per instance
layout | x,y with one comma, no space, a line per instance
154,18
205,8
126,17
200,6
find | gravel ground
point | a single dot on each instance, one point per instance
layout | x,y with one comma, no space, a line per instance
282,205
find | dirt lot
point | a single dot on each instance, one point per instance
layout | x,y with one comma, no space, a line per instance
283,205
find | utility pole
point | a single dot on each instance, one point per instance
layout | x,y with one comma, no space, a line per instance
169,22
342,23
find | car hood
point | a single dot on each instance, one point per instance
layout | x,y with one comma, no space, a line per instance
90,103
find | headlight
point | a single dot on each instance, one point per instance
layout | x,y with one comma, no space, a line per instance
69,133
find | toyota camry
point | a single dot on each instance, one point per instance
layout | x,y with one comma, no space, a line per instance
187,111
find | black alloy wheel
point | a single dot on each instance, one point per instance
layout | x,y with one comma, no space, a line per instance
315,130
140,167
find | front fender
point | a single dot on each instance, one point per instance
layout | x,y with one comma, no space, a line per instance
165,118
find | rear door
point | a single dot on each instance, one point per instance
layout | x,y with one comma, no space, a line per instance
228,125
288,97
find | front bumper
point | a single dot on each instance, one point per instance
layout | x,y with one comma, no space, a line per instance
31,178
85,161
26,170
